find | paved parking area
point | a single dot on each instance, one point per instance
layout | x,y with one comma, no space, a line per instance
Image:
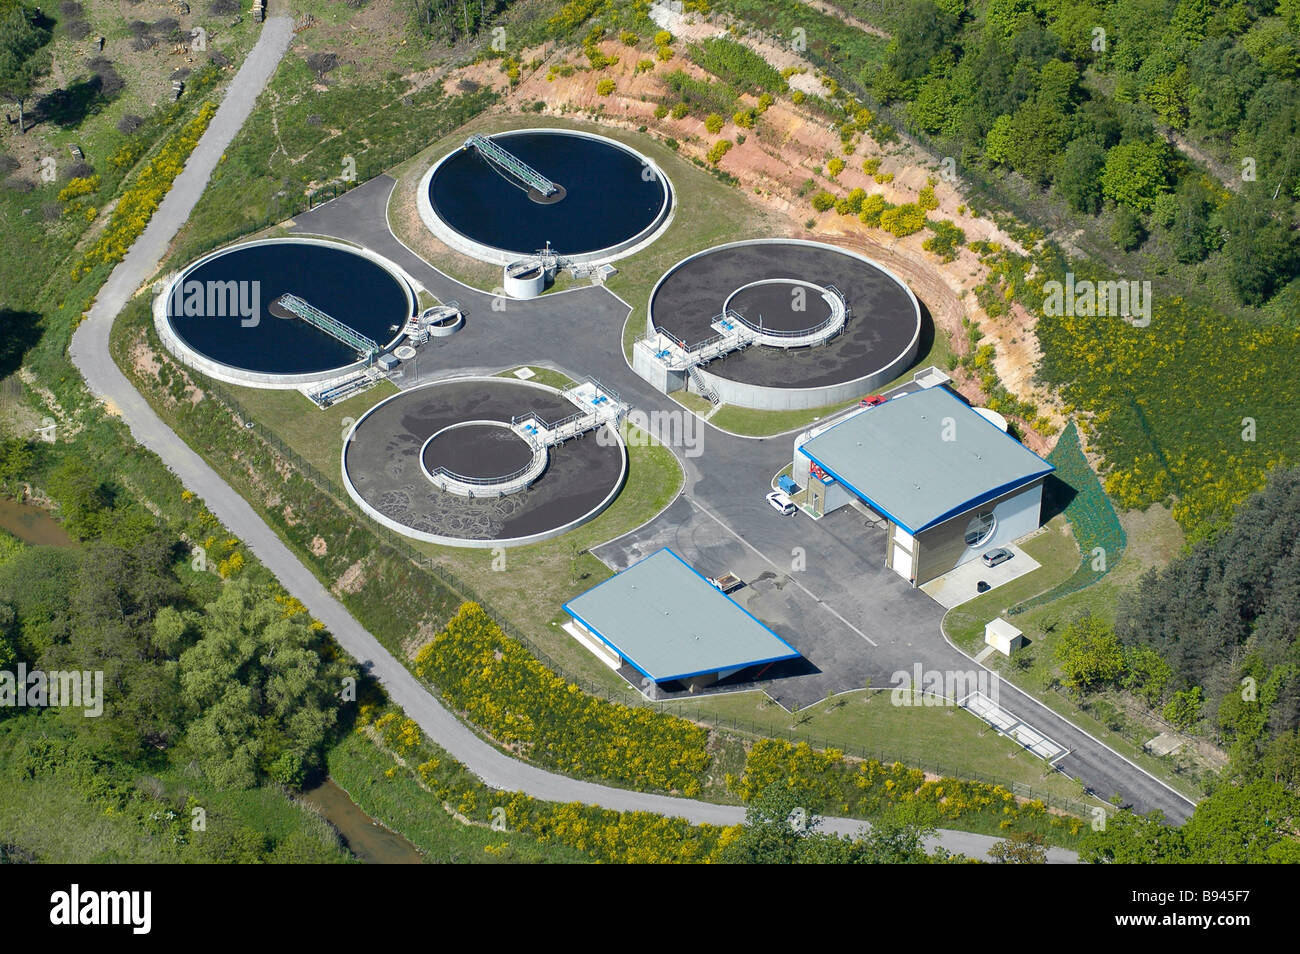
849,645
959,585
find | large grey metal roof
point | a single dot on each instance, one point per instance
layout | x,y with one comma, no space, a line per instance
922,457
669,622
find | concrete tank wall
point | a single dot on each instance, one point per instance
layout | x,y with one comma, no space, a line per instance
523,279
487,253
264,379
802,399
763,398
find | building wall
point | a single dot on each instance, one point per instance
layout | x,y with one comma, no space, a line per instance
943,547
662,379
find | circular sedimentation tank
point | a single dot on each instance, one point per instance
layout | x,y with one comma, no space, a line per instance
789,289
477,450
609,200
782,305
431,462
226,315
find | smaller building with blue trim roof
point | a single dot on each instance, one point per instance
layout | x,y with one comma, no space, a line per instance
672,625
950,484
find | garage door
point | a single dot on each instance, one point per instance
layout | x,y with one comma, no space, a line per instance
902,563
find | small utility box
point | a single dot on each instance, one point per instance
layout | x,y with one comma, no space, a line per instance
1003,637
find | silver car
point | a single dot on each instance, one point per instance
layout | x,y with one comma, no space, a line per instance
996,556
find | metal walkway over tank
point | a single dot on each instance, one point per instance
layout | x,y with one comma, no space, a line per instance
525,173
597,405
331,326
732,335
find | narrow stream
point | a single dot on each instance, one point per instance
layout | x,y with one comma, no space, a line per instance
370,842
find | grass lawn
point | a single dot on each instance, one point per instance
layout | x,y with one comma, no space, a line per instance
57,825
1054,548
944,740
1034,669
548,376
697,405
754,423
314,433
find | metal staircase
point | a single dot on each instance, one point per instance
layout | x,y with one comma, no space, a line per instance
701,386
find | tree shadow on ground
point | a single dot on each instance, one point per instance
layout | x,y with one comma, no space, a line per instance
19,332
69,106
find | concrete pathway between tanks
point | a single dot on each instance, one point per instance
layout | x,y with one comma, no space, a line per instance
90,353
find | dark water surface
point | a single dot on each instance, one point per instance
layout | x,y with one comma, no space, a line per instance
608,199
344,285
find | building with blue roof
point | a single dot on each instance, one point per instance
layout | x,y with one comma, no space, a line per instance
669,623
950,484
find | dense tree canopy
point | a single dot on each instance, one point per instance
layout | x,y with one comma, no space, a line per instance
1226,617
24,58
780,829
246,684
1253,823
1083,99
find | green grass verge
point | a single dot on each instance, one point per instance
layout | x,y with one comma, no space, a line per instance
943,740
397,800
1054,548
753,423
56,825
317,434
548,376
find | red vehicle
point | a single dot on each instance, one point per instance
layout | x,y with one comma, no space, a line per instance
873,400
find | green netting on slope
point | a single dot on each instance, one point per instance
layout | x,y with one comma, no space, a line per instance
1092,518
